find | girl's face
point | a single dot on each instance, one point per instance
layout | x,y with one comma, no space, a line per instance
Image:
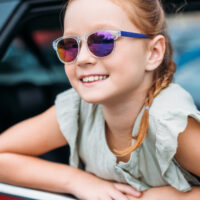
124,68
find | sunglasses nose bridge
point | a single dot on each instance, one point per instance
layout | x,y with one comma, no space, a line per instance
83,50
83,39
80,40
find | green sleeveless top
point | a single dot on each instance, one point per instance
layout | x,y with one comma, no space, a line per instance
153,163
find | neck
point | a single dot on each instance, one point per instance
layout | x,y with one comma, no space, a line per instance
120,117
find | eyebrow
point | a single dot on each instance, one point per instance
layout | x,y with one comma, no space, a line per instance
105,26
95,27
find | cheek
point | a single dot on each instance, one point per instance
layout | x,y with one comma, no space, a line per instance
127,64
65,69
130,50
128,55
70,73
136,52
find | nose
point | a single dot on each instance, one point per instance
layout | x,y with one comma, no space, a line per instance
84,56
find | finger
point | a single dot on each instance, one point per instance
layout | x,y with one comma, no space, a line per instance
131,197
128,189
117,195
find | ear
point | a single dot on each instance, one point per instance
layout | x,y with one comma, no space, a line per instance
156,51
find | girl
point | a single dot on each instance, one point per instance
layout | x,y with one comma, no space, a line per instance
123,117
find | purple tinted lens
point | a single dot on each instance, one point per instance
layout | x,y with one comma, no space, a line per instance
101,43
67,49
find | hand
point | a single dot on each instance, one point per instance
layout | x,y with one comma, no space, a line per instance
89,187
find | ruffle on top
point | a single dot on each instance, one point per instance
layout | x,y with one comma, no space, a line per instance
67,110
152,164
171,110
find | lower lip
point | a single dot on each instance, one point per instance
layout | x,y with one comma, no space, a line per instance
94,83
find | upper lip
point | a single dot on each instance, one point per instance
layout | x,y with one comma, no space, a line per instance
88,75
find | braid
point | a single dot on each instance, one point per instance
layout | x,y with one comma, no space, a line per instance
155,89
163,76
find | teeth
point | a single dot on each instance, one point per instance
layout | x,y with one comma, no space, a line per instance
93,78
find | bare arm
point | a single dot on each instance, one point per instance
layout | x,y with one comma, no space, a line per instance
36,173
188,152
188,156
34,136
19,165
167,192
30,138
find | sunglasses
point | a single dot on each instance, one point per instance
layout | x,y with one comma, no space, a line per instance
99,43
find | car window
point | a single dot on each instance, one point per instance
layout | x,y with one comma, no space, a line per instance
22,63
6,9
30,75
184,29
44,39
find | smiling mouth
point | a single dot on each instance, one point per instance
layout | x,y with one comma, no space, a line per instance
91,79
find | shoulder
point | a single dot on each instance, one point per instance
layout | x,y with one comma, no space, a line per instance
72,111
172,107
172,99
70,102
168,117
75,118
67,109
170,111
67,95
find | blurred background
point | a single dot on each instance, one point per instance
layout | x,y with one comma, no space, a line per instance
184,29
31,75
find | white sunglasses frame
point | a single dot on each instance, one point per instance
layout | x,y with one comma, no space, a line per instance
115,33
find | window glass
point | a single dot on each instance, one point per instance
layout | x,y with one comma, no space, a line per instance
37,64
44,39
6,9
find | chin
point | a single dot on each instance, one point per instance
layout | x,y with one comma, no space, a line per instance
94,96
93,100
